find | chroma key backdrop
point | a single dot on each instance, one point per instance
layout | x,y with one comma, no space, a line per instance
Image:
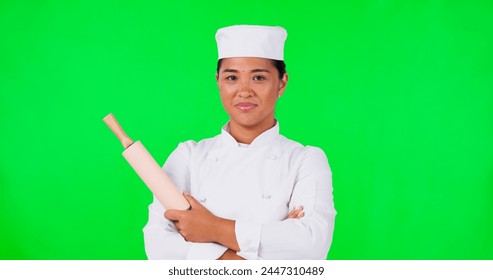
399,94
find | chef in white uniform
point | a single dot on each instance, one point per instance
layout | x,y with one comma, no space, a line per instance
254,194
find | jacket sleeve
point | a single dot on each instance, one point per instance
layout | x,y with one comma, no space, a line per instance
161,238
307,238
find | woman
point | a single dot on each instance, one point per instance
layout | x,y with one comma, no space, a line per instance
242,184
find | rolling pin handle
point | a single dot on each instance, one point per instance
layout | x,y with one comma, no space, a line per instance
113,124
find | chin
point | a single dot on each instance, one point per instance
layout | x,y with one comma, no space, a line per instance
245,122
248,124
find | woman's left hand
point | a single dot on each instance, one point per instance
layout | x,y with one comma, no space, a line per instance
296,213
197,224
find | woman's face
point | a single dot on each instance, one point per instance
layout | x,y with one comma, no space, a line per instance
249,88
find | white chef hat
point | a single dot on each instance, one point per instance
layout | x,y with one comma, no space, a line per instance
251,41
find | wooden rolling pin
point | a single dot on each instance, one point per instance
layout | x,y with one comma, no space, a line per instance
148,169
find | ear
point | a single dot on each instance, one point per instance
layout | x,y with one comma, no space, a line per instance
282,84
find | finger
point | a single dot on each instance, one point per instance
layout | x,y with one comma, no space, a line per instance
172,215
296,213
296,210
292,211
290,217
184,234
301,213
192,201
178,226
293,215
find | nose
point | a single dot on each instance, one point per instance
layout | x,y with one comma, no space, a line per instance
244,91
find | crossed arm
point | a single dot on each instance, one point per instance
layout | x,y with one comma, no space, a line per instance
199,234
199,225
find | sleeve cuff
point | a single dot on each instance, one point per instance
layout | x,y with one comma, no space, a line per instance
248,237
205,251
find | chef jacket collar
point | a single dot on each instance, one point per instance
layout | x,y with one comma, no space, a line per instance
263,139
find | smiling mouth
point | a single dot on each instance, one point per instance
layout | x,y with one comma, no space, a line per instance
245,106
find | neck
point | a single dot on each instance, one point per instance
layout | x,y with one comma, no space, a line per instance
246,134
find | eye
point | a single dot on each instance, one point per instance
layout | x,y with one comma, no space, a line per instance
258,78
231,78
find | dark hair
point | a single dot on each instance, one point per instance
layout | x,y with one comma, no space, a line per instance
279,64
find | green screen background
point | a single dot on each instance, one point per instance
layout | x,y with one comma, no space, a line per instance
399,94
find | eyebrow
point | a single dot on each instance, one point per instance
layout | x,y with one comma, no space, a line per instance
253,71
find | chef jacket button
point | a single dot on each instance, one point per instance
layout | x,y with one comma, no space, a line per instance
273,157
266,196
213,158
203,200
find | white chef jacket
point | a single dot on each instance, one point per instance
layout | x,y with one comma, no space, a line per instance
256,185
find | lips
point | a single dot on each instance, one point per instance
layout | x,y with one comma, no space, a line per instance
245,106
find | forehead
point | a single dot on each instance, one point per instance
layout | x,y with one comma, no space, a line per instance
246,63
